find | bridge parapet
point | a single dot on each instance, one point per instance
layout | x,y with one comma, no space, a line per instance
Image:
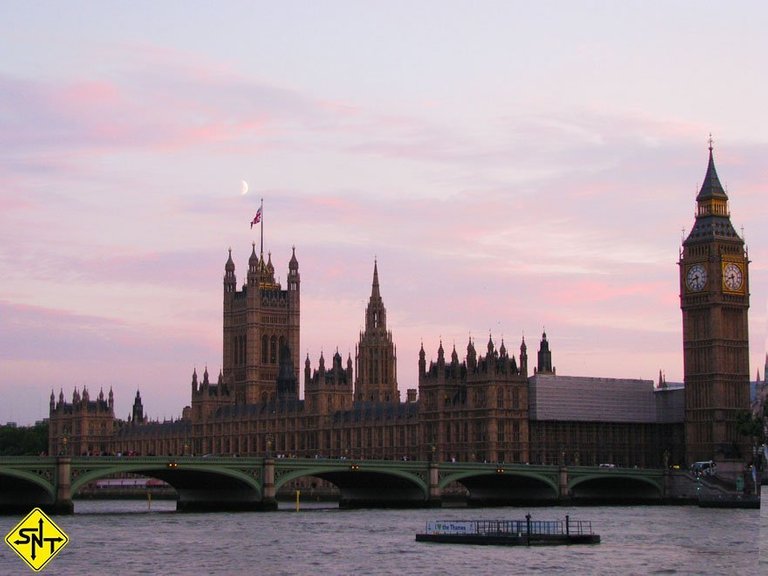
252,483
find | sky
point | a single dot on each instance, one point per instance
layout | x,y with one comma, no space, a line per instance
513,167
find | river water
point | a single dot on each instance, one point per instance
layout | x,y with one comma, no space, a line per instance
123,537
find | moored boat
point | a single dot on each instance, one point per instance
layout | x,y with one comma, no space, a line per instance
526,532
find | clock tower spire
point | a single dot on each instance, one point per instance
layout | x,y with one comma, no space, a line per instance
714,298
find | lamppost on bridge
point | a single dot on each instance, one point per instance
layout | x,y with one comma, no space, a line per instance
269,445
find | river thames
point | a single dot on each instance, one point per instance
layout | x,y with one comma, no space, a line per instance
123,537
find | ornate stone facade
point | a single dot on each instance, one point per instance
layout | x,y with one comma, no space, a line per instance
83,426
476,409
483,407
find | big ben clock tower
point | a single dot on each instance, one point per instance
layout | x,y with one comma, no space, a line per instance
714,298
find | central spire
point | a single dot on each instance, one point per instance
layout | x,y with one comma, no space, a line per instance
376,371
375,314
375,288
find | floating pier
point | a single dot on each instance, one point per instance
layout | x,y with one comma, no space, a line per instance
526,532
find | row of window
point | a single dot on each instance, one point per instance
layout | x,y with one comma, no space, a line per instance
271,347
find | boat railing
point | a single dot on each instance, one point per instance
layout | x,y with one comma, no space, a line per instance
510,527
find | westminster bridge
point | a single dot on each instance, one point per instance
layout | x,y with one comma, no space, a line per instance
231,483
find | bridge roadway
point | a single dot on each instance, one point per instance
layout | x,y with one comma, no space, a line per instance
231,483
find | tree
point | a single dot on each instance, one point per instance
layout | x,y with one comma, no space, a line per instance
750,425
24,440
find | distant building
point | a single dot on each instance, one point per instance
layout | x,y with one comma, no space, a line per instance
83,426
714,299
590,421
759,392
476,409
481,407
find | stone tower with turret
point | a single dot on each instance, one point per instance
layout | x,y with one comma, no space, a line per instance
714,298
260,330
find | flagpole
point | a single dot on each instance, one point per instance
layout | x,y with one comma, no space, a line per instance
261,209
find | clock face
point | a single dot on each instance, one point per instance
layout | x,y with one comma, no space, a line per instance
732,276
696,278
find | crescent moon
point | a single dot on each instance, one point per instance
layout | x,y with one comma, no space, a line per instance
243,187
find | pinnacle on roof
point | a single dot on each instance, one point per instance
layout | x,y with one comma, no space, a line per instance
253,261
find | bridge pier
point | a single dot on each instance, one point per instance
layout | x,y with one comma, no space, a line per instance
63,503
269,494
563,495
435,499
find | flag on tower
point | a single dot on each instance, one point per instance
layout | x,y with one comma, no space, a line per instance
257,218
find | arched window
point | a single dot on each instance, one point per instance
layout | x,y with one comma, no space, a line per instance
273,350
264,346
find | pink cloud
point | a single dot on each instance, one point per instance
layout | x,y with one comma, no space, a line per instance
62,350
594,291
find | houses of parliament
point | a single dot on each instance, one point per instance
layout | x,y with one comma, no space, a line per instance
486,402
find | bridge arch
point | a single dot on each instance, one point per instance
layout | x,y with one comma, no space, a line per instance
615,488
199,486
489,487
22,489
166,473
365,485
